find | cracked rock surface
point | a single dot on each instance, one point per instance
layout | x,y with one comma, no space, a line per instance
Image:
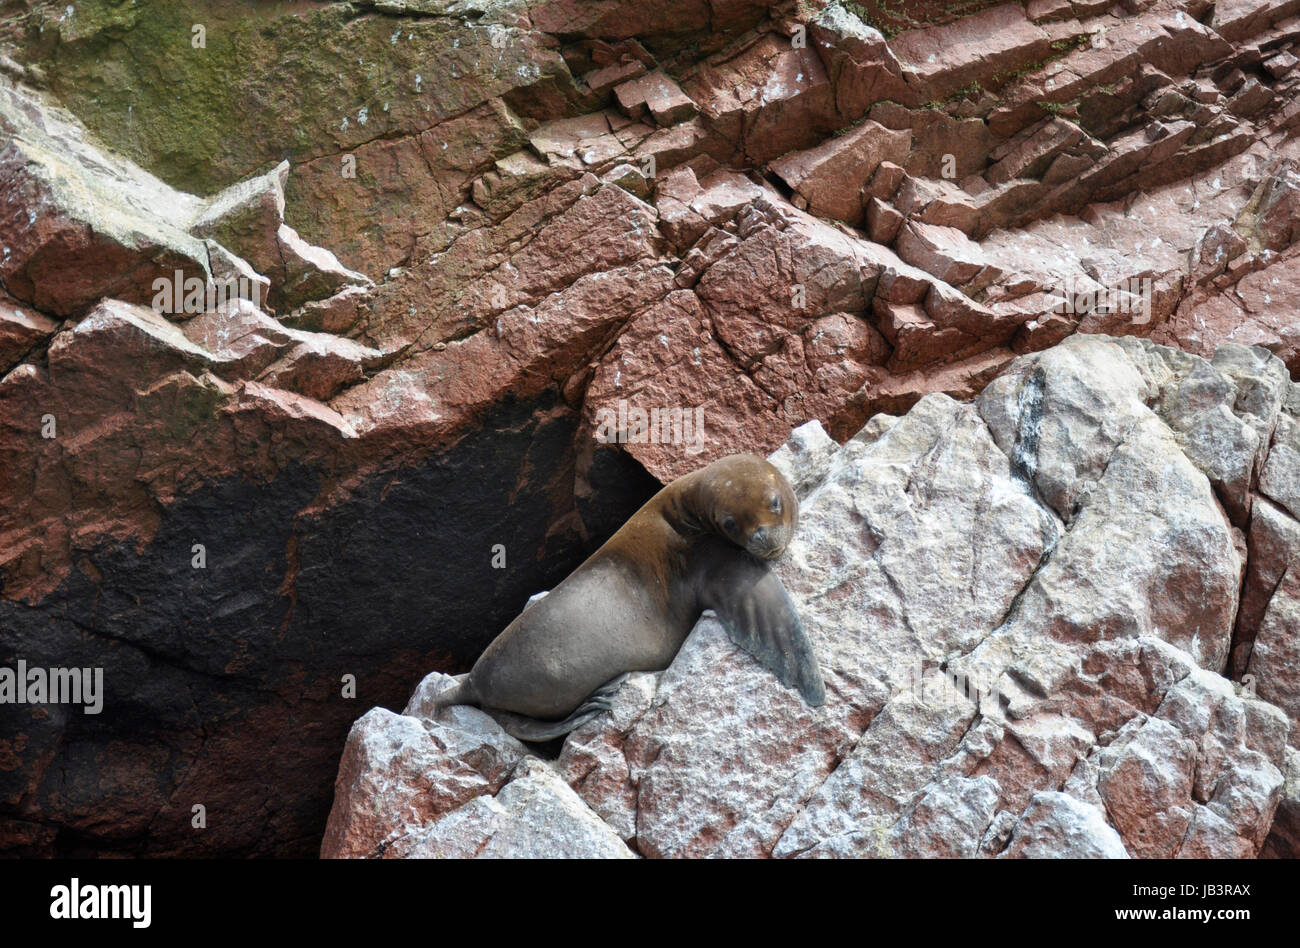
1024,610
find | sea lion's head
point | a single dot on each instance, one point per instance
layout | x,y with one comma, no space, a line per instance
750,502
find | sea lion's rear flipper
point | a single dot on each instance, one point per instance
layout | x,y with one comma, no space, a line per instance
523,728
752,603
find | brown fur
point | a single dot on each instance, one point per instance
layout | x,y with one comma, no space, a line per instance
632,603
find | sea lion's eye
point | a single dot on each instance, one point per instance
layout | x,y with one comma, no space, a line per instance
729,526
776,504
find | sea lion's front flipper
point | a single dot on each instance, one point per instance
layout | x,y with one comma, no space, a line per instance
759,616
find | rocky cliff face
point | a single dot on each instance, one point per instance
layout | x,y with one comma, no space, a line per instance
468,233
1023,608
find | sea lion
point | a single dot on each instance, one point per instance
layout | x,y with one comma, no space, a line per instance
702,542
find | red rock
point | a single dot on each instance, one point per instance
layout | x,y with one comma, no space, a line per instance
620,20
1044,326
1276,215
708,250
402,187
21,329
1174,44
946,147
235,277
786,271
883,221
596,140
885,182
667,359
319,367
246,218
241,336
1250,98
831,176
63,246
1040,10
309,273
858,61
567,232
606,78
122,332
657,95
723,195
1218,248
901,283
673,196
695,141
1029,154
335,314
768,100
961,379
948,306
916,339
1238,19
1255,313
1280,64
832,337
817,374
1289,116
939,203
939,61
945,252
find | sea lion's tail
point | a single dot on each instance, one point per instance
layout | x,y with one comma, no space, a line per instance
460,693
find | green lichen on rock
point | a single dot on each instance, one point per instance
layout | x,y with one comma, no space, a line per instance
210,92
205,107
128,71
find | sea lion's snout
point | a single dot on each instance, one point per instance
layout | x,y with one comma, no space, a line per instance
768,543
